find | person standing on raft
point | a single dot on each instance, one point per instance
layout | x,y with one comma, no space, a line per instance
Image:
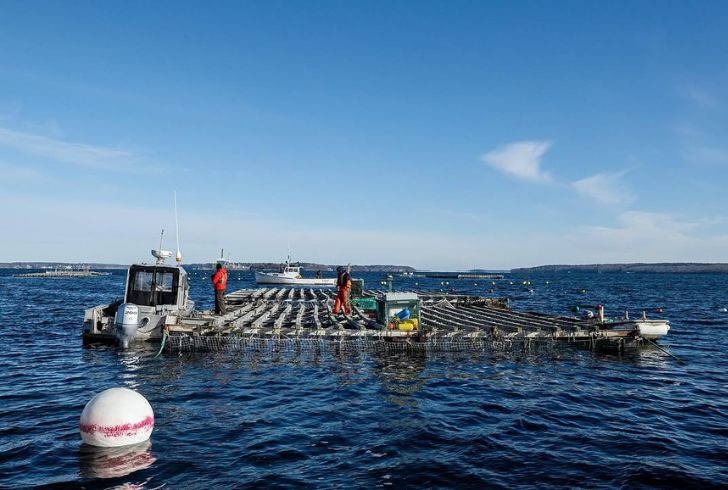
219,282
343,285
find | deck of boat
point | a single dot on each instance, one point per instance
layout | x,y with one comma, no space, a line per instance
303,313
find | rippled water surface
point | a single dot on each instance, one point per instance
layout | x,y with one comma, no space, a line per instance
557,418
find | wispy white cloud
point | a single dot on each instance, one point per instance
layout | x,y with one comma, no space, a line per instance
654,223
654,237
94,157
637,236
521,160
701,98
604,188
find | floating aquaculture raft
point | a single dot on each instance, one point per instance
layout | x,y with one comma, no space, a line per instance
290,317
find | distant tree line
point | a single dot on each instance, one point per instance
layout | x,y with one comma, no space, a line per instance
307,266
257,266
687,267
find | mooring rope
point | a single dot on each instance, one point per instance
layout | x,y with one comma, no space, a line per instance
161,347
663,350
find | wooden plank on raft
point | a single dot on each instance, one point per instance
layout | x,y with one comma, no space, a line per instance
316,319
279,322
258,322
299,315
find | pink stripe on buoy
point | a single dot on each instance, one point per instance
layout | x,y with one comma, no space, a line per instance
126,430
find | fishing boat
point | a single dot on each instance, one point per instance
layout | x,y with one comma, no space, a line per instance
290,275
229,264
156,295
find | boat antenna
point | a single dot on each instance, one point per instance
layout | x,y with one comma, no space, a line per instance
160,239
176,226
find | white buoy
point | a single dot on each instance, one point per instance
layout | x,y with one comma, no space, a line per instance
116,417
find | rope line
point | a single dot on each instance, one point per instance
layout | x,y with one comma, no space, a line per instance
164,339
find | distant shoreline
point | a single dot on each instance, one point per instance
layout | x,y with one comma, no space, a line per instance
261,266
685,267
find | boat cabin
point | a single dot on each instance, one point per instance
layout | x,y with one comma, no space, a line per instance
288,268
154,285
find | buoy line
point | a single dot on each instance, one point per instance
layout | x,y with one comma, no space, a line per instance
161,347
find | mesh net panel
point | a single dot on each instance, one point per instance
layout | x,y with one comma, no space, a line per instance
217,343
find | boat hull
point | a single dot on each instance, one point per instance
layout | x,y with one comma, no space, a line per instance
653,330
277,278
649,329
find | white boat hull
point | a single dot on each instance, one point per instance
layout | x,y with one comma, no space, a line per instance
286,279
649,329
653,329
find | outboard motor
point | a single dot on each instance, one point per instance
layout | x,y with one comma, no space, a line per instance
126,323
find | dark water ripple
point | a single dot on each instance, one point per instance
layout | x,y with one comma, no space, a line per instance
555,418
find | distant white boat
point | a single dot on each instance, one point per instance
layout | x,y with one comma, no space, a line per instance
290,275
228,264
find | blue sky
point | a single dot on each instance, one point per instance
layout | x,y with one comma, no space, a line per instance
440,135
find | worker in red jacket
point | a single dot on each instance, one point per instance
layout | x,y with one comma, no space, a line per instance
343,285
219,282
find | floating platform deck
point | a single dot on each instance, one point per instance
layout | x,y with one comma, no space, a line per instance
447,321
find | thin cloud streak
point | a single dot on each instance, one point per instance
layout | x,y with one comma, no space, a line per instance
701,98
94,157
604,188
521,160
656,237
636,237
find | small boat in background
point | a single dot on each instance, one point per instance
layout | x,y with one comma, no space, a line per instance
290,275
229,264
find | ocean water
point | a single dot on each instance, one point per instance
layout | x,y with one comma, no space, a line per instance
557,418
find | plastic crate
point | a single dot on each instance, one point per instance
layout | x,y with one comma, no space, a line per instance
365,303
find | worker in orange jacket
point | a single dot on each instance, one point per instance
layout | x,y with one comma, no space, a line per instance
343,285
219,282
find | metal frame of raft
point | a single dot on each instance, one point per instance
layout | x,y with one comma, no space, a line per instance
274,318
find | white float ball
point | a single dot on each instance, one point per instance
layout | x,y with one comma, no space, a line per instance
116,417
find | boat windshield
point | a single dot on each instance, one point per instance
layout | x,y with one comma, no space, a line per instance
152,286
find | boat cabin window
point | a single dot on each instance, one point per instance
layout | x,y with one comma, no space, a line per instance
152,286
